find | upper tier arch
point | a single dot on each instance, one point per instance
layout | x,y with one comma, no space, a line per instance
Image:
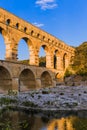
14,28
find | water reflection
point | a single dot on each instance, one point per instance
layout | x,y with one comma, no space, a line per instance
15,120
68,123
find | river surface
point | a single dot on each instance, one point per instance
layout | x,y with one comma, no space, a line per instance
18,120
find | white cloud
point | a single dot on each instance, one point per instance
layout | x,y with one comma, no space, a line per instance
46,4
38,24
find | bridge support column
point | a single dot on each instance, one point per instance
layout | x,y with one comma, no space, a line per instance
11,52
38,83
15,83
8,54
54,83
59,63
50,61
34,58
66,63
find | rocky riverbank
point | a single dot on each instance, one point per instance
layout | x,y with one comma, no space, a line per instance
49,99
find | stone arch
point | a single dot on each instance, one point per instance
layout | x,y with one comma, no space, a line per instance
56,54
43,37
48,55
9,55
25,29
46,79
29,45
32,32
38,35
3,32
48,39
2,47
27,80
17,25
57,59
27,40
8,21
42,59
45,47
65,61
5,79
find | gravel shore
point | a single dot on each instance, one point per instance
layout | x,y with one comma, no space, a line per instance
52,99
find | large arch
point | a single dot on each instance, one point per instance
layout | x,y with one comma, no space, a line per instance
3,32
8,46
5,80
31,50
23,46
56,55
57,59
46,80
2,45
27,80
48,55
65,61
42,56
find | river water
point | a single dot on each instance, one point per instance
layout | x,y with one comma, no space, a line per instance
18,120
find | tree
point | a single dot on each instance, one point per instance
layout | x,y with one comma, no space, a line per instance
80,60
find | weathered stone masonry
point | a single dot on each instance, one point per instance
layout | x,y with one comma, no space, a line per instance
13,29
24,77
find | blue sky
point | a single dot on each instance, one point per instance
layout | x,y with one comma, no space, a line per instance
65,19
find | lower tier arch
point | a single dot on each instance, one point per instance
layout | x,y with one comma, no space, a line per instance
27,80
5,80
46,80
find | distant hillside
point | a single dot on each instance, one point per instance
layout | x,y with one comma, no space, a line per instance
76,73
80,60
79,66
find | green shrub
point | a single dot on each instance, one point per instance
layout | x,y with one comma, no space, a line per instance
80,60
29,104
82,72
67,73
7,101
12,92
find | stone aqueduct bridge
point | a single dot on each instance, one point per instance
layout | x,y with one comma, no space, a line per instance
12,74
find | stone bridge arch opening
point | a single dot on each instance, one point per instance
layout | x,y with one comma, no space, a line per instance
46,80
47,59
5,80
57,59
65,61
2,45
27,80
42,56
24,50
